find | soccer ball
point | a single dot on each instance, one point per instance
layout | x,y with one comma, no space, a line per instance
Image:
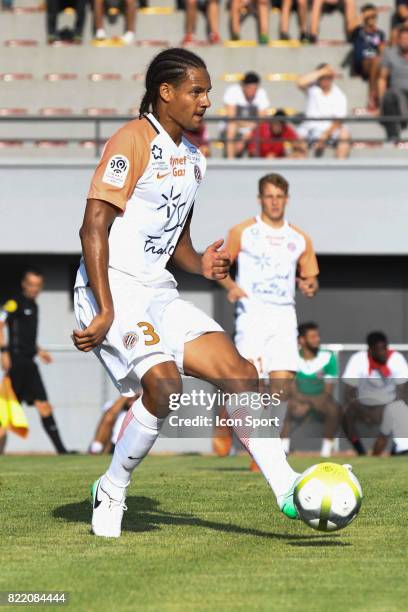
328,496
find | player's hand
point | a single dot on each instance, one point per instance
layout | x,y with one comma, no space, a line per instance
5,362
93,335
215,264
235,294
44,356
307,286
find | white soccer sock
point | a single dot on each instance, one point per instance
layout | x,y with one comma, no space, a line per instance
327,448
286,445
267,452
139,432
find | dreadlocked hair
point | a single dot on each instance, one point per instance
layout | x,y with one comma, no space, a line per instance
169,66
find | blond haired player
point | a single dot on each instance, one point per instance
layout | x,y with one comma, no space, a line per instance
127,305
272,256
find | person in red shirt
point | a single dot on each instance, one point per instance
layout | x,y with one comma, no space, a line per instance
275,138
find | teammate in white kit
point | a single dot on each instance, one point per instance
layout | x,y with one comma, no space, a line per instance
272,256
127,305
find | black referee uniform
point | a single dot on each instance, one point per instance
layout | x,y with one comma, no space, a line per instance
21,316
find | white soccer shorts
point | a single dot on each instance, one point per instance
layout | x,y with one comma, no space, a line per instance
151,326
268,338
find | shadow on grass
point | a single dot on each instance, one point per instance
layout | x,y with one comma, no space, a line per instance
320,542
223,469
144,514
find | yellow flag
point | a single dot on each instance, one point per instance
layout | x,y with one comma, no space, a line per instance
12,415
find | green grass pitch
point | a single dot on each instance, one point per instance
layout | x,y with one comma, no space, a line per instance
201,533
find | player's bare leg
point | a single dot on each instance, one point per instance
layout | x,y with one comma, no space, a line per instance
103,434
280,382
214,358
330,411
297,410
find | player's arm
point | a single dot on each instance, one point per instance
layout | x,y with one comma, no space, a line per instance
308,286
98,218
44,356
214,264
306,80
233,246
308,270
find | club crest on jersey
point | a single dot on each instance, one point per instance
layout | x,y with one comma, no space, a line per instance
157,152
197,174
130,339
292,246
116,171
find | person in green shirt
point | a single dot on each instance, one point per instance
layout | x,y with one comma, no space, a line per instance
313,389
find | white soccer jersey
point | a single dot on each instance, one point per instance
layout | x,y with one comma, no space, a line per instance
374,389
268,260
154,184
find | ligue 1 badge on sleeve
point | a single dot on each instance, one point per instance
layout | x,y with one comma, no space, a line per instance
116,171
197,174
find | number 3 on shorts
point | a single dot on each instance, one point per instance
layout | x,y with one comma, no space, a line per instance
148,330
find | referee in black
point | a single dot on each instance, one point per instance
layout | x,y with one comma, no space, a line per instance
20,315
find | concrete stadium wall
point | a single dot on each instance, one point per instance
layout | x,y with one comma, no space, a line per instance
348,207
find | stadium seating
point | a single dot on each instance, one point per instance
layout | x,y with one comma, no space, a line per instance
101,78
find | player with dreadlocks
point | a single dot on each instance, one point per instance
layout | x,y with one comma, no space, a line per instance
127,306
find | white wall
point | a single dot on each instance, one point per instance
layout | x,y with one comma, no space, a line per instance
350,207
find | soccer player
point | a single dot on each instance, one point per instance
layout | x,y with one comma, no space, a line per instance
20,315
394,425
127,306
110,424
374,378
313,391
272,256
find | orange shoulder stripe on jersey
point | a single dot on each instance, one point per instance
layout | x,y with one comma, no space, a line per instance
123,162
233,242
307,263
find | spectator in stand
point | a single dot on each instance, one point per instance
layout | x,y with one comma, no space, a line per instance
200,139
325,100
130,20
54,7
275,138
399,18
350,13
261,10
313,389
245,101
374,379
394,425
368,45
302,9
211,8
393,84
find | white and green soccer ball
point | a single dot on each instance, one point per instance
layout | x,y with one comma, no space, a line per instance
328,496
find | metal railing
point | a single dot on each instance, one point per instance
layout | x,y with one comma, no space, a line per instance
97,123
